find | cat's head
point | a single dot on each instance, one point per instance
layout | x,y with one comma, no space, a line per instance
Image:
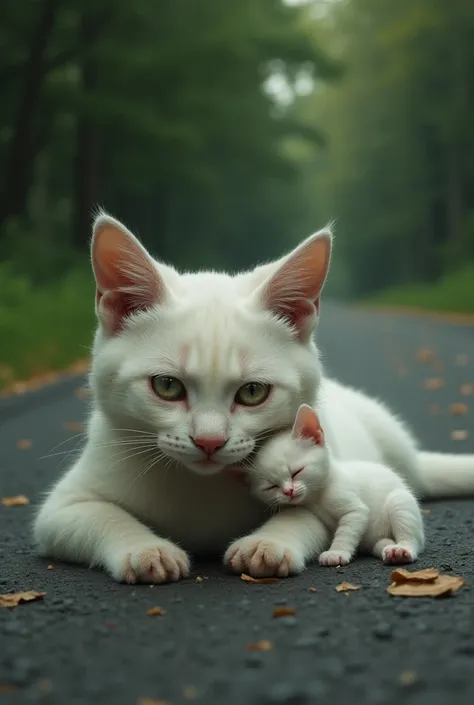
207,361
293,465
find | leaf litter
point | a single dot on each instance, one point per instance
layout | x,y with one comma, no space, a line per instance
283,612
156,612
263,645
18,500
23,444
346,587
428,582
434,383
13,599
458,409
459,435
262,581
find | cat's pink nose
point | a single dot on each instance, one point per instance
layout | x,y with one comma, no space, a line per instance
289,492
209,444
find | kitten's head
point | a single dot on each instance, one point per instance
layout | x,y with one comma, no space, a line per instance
292,465
208,362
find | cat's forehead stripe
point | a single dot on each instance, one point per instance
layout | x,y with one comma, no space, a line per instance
214,359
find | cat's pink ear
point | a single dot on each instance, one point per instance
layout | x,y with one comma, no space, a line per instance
293,290
127,278
307,425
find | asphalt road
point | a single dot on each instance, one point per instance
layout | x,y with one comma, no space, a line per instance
91,640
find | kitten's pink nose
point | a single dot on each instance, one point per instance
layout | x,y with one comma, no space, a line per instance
209,444
289,492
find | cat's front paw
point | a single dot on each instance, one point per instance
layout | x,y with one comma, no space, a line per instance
262,558
397,554
334,558
162,562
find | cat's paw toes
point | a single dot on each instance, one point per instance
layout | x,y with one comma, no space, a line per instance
334,558
262,558
396,554
162,563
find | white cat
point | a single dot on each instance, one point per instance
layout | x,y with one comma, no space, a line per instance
364,504
189,372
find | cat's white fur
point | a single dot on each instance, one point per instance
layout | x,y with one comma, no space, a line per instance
142,494
364,504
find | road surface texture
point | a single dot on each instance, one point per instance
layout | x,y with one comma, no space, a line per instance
91,640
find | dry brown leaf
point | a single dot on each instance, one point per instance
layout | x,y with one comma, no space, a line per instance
462,360
199,579
82,392
263,645
402,575
152,701
458,409
312,589
283,612
425,355
423,583
467,389
345,587
263,581
459,435
434,383
23,444
72,426
434,409
426,511
50,567
408,678
13,599
156,612
18,500
190,692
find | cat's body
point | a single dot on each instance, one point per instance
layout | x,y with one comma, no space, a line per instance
189,373
365,505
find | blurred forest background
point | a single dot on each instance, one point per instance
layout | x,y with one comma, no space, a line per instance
224,132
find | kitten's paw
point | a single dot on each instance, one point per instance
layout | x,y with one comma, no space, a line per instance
162,562
334,558
396,554
262,558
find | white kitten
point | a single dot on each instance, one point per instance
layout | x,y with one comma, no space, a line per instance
365,504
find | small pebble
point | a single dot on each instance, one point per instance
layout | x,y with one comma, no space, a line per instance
383,631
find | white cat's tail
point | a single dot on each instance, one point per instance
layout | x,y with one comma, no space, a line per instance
446,475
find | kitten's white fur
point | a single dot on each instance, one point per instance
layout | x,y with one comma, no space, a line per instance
365,505
140,467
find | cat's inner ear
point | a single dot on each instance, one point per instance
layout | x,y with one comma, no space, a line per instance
307,425
293,290
127,278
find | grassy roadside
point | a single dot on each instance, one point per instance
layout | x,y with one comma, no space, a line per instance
44,328
454,293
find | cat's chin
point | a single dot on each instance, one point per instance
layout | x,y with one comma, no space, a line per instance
204,468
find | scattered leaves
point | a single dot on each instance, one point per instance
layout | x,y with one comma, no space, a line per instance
346,587
152,701
283,612
434,383
13,599
72,426
50,567
156,612
458,409
263,645
426,511
408,678
462,360
467,389
459,435
425,355
18,500
23,444
263,581
423,583
312,589
39,380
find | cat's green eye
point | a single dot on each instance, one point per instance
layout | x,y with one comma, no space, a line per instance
168,388
252,394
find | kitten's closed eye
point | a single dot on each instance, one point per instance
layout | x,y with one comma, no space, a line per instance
297,472
271,487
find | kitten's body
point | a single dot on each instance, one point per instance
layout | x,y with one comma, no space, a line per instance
364,504
145,459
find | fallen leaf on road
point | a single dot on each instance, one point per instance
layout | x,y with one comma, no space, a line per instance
23,444
18,500
312,589
156,612
408,678
152,701
263,581
263,645
50,567
13,599
72,426
459,435
458,409
423,583
462,360
425,355
467,389
345,587
199,579
283,612
434,383
426,511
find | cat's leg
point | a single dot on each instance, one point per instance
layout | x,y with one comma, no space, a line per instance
406,526
351,528
282,546
85,529
380,546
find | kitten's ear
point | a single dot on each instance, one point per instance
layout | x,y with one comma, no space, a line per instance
307,425
127,278
293,289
